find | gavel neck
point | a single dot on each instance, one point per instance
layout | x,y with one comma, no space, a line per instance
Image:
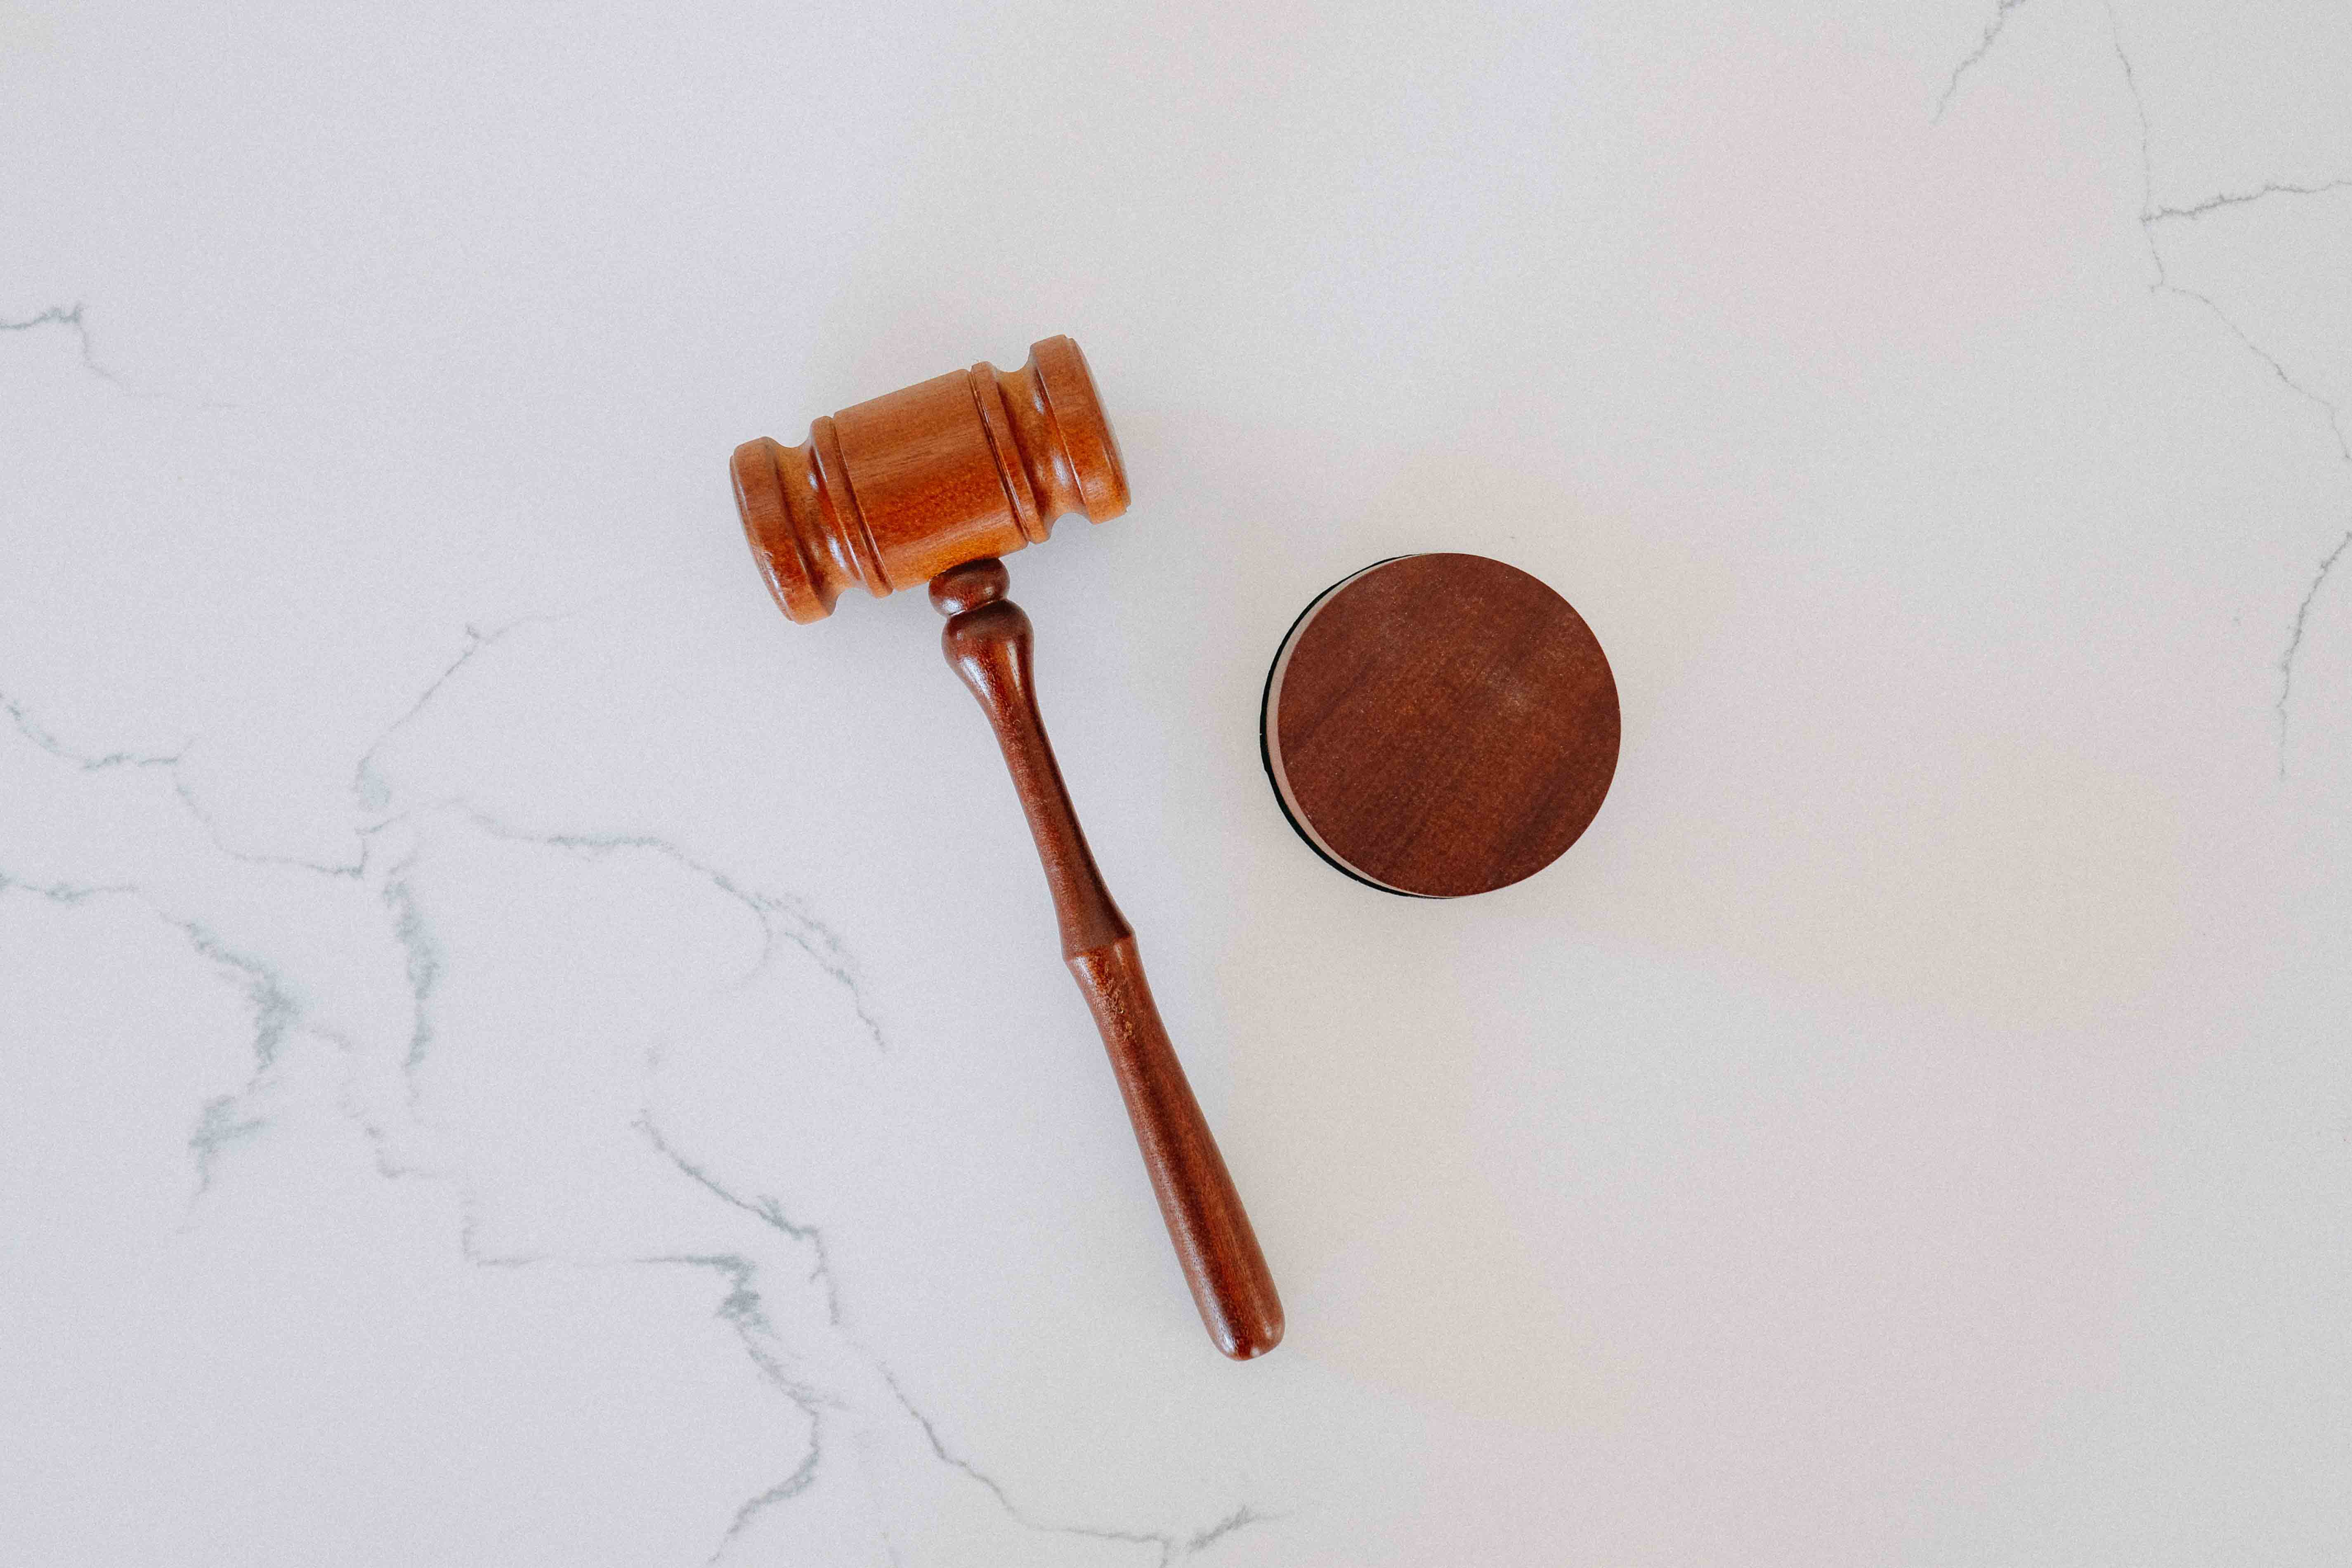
987,641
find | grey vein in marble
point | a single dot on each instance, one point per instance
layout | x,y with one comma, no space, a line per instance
424,954
2294,640
2150,216
1170,1547
791,1487
367,782
26,727
822,945
469,1225
1984,47
62,892
767,1211
1239,1518
59,315
222,1126
351,871
274,1008
32,731
743,1310
2240,199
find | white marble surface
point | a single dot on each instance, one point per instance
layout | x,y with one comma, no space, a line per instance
512,1054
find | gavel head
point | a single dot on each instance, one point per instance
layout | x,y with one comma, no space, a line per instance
893,492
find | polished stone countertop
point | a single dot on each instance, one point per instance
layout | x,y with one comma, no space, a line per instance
512,1054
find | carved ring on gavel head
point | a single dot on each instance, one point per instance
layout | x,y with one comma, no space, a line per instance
933,484
892,492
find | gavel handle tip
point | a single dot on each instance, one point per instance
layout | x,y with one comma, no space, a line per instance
1210,1231
1260,1339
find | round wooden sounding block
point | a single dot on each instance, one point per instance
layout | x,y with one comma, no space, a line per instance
1439,725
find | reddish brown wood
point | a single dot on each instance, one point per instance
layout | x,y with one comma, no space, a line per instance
932,483
1441,725
894,492
987,640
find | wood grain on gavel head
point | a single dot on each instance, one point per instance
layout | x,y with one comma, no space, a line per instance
890,493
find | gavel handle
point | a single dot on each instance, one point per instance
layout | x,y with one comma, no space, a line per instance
987,642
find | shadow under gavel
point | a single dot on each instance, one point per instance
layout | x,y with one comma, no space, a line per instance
931,484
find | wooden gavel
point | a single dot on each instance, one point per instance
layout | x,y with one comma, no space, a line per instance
931,484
